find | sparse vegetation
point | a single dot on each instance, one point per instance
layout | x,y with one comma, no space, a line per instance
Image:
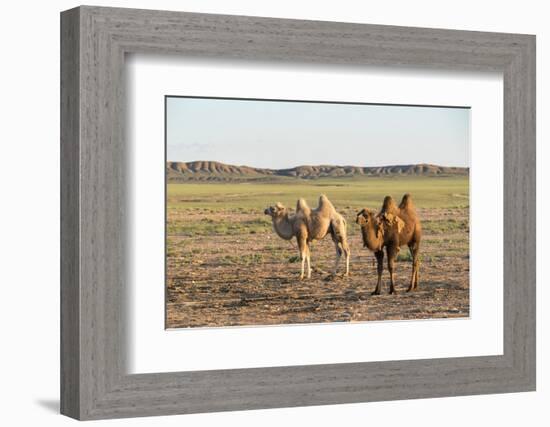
225,265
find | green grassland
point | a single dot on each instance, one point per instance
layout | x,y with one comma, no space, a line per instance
427,192
214,204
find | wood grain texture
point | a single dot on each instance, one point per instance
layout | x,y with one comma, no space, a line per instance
70,257
94,231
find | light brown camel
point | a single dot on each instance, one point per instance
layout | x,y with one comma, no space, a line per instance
308,224
394,226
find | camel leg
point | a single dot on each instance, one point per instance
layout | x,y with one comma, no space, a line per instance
413,274
337,248
337,232
302,247
379,268
415,267
343,249
392,254
308,259
347,253
337,260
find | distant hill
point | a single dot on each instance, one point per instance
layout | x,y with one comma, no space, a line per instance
216,171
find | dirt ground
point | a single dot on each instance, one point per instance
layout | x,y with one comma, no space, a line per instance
247,275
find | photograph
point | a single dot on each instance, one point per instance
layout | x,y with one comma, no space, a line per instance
282,212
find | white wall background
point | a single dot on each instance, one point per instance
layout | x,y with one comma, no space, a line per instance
29,224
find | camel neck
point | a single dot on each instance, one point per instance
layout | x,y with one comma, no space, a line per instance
372,237
283,227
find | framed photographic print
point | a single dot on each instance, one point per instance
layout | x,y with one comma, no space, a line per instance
261,213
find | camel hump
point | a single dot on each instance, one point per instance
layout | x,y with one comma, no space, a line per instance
325,204
389,205
406,202
302,206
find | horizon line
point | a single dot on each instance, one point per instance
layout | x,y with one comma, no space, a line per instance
325,164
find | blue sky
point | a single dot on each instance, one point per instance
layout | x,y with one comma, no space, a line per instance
279,134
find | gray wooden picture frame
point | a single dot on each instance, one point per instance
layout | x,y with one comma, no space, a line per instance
94,381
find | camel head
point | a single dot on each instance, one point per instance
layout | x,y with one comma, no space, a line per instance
367,217
275,211
372,230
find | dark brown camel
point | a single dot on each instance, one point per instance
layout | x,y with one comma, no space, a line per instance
394,226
